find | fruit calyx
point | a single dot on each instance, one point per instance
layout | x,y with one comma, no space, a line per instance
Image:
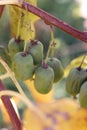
79,68
24,54
33,42
44,64
17,40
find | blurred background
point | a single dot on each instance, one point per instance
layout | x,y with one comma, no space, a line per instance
68,47
73,12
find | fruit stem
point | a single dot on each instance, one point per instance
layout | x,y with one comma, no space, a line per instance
82,61
52,42
50,48
48,52
51,20
28,28
10,109
18,28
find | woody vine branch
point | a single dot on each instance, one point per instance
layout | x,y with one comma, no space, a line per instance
51,20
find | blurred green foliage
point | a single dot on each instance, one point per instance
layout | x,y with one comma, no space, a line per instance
69,12
66,10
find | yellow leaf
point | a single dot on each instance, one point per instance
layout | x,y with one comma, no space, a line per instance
64,114
37,96
22,22
32,121
77,122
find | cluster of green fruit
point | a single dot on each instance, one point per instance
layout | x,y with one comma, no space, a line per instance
76,83
28,62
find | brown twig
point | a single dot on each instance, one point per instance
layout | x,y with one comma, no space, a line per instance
10,109
51,20
1,9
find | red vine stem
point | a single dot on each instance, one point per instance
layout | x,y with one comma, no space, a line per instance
51,20
1,9
9,107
